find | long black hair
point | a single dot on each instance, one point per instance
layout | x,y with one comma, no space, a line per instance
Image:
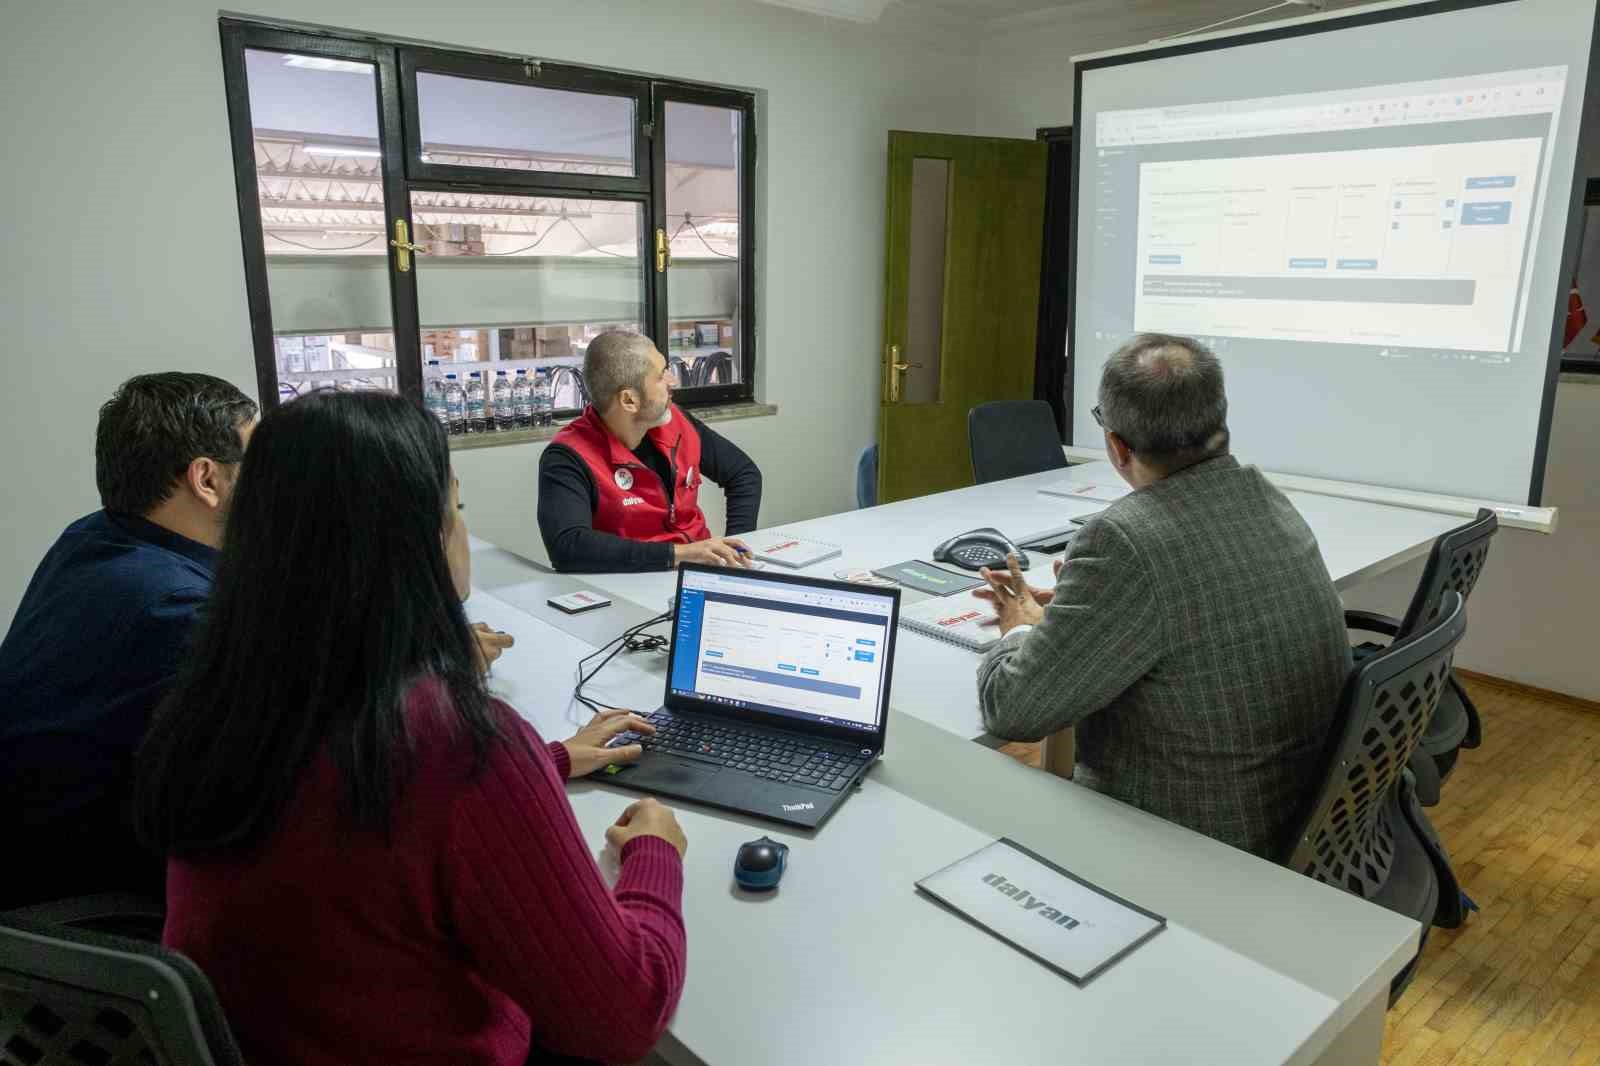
332,599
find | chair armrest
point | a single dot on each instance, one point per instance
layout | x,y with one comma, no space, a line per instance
89,911
1371,622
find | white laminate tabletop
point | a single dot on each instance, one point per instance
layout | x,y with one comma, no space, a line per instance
936,681
846,963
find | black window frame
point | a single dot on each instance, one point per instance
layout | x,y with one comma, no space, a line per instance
403,171
663,93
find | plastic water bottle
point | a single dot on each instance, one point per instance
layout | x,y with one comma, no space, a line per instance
455,404
433,393
544,399
477,404
505,407
522,399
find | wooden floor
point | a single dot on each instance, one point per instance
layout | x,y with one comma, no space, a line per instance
1520,982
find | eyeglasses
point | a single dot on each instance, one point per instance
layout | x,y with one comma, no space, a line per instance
1101,422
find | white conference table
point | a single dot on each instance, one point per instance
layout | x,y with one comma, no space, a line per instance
937,681
846,963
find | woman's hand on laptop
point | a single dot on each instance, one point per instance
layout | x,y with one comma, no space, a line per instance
587,751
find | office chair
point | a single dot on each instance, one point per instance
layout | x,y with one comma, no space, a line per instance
1366,832
867,477
1010,438
580,388
1454,564
123,914
75,996
716,369
684,371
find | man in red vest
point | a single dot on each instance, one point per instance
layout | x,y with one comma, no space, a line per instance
619,486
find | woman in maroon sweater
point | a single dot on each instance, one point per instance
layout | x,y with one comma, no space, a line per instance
371,859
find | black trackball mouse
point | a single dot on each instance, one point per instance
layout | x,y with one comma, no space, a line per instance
760,863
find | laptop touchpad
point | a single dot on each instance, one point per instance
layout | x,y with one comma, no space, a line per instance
676,774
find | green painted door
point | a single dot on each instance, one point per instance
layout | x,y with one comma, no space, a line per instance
961,299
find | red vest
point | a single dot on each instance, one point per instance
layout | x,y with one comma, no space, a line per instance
633,502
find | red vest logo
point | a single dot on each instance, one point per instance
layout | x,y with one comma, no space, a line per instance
624,479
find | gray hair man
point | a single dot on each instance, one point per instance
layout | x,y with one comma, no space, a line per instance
1193,640
619,485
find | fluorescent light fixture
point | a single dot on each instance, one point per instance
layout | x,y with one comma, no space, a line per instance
344,66
339,149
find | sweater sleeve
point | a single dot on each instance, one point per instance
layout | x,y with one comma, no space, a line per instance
598,972
567,500
725,463
1099,634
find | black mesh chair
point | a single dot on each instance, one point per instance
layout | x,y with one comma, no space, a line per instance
1366,833
70,995
684,372
1453,565
716,369
1010,438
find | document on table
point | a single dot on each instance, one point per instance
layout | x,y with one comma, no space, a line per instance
1073,927
1104,491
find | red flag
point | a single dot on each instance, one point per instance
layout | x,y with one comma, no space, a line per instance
1576,316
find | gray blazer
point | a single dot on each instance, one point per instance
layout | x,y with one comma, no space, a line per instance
1198,645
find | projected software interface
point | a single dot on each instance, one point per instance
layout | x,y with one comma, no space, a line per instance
796,650
1390,216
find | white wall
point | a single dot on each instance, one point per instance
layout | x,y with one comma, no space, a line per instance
122,237
1535,614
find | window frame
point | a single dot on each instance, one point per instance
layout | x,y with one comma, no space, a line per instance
663,93
403,171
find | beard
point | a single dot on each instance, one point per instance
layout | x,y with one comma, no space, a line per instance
657,419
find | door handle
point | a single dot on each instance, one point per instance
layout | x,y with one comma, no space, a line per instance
896,369
403,248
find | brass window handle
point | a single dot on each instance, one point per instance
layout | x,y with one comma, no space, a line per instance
403,246
663,251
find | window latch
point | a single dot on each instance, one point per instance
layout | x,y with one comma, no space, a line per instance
663,251
403,247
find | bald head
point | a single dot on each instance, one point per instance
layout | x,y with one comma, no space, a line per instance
614,361
1164,397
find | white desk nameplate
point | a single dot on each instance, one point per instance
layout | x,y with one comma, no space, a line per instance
1043,911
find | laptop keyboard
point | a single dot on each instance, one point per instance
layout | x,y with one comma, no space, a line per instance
774,756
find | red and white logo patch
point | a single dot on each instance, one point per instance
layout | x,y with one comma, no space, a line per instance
624,479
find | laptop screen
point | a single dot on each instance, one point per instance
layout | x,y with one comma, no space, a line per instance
810,653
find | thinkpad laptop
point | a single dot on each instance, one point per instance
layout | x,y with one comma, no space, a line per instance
777,694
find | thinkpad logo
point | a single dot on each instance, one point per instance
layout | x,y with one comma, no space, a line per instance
799,806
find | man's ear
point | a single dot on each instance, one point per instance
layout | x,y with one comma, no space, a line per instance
206,481
1118,451
628,400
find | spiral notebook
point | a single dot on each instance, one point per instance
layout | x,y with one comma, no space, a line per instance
786,550
953,619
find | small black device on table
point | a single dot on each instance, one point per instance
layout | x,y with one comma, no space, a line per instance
759,865
979,548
